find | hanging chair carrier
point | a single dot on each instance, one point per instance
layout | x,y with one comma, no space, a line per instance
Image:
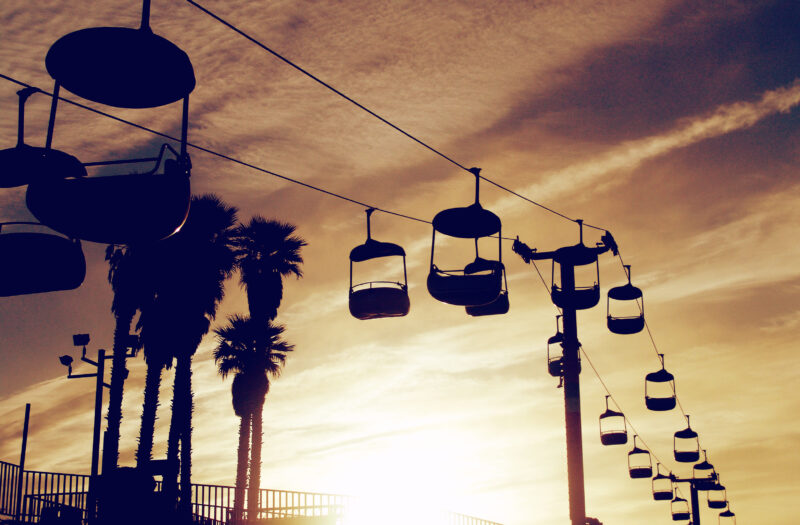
686,444
121,66
627,293
640,465
660,380
704,474
717,496
583,296
555,352
727,517
680,509
36,262
377,299
481,281
662,485
23,164
613,428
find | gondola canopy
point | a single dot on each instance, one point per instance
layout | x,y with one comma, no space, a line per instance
122,67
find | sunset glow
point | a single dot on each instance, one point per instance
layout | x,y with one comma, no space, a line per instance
673,125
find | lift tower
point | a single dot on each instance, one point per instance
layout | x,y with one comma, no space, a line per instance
571,298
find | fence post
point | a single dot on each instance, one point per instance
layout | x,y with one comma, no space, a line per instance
21,475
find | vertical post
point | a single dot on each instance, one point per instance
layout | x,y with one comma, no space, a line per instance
21,475
52,122
572,403
695,505
91,504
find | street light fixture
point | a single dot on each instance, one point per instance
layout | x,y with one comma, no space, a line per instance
66,360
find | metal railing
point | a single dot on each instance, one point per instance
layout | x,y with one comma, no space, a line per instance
211,504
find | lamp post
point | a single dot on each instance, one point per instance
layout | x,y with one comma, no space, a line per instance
66,360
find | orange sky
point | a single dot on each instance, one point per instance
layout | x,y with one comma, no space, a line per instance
673,124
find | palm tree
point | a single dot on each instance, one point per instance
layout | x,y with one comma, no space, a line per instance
126,274
266,251
155,334
193,266
236,352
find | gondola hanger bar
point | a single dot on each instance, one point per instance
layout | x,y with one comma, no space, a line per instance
145,26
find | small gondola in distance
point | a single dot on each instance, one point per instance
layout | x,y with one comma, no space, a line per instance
377,299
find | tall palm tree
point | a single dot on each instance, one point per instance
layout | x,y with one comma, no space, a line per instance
127,276
155,335
193,266
266,252
237,352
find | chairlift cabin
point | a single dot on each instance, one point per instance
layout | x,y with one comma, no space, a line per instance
727,517
23,163
36,262
613,428
630,295
117,209
687,444
640,465
663,489
481,281
122,67
704,474
659,389
680,509
717,496
377,299
555,353
571,294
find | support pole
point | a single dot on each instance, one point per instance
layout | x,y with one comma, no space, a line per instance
572,404
91,505
695,505
21,475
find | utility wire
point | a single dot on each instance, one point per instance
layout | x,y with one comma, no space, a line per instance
315,78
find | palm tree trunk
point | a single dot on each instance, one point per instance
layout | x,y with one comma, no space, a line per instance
185,506
152,384
255,464
241,468
118,373
173,440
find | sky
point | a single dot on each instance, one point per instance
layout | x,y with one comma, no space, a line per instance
672,124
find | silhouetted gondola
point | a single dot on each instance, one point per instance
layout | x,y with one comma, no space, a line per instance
377,299
23,163
628,293
717,496
727,517
481,281
704,474
680,509
121,66
687,444
555,352
662,485
664,384
35,262
613,428
584,296
640,465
